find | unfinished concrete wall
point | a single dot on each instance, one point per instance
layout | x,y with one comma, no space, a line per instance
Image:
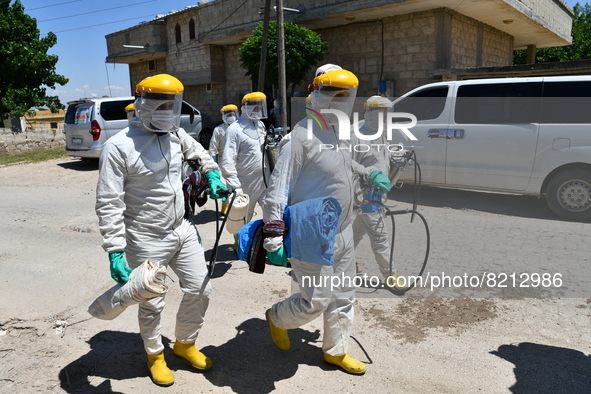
36,138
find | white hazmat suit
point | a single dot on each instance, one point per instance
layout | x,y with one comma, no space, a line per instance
369,217
140,206
242,160
218,138
304,172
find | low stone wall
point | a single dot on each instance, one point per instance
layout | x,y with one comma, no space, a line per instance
34,138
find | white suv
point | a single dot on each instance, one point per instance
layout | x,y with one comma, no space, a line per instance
90,122
529,136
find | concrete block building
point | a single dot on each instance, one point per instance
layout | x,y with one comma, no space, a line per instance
405,43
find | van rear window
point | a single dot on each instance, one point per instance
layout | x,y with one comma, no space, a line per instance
82,115
114,110
567,102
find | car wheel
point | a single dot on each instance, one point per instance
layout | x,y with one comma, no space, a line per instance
569,194
205,137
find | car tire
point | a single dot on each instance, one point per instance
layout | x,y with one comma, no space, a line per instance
205,137
569,194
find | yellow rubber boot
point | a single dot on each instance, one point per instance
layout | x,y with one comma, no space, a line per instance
346,363
279,336
235,246
189,352
224,210
358,269
159,371
392,281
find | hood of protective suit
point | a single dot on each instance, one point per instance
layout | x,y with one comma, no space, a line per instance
326,68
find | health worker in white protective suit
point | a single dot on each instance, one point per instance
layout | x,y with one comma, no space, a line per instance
140,206
304,172
242,160
130,111
218,139
369,214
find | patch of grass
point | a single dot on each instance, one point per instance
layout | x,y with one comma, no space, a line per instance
34,157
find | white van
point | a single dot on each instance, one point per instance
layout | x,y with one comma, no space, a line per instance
90,122
529,136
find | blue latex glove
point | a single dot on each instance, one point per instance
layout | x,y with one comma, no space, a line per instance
379,181
279,257
119,269
215,185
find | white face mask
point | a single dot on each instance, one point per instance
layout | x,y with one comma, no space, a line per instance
255,114
230,119
162,119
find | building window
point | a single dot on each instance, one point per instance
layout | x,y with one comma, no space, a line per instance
151,65
177,33
192,29
53,125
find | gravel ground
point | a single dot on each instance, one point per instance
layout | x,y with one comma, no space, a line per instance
532,340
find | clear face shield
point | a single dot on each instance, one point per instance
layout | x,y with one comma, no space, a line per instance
160,112
255,109
229,116
331,97
376,116
130,115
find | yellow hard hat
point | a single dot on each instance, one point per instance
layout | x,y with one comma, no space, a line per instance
130,107
161,83
229,107
337,79
254,96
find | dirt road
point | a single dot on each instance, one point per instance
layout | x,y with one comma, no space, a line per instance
52,267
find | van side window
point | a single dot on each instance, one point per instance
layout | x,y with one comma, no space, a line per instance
425,105
498,103
567,102
114,110
186,110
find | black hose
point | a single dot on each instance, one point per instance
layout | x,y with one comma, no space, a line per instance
417,185
428,247
413,212
219,229
264,150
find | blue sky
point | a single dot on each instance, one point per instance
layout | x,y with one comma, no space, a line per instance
81,27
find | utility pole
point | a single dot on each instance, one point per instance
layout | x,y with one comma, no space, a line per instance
281,61
264,44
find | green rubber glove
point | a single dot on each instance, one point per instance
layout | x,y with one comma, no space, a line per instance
215,185
119,269
279,257
379,181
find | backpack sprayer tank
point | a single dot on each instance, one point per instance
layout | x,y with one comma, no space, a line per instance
271,146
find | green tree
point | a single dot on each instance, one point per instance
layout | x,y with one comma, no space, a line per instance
26,70
580,48
303,49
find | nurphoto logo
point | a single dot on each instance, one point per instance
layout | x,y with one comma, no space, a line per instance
345,126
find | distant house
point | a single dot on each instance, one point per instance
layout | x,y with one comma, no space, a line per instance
51,121
400,44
